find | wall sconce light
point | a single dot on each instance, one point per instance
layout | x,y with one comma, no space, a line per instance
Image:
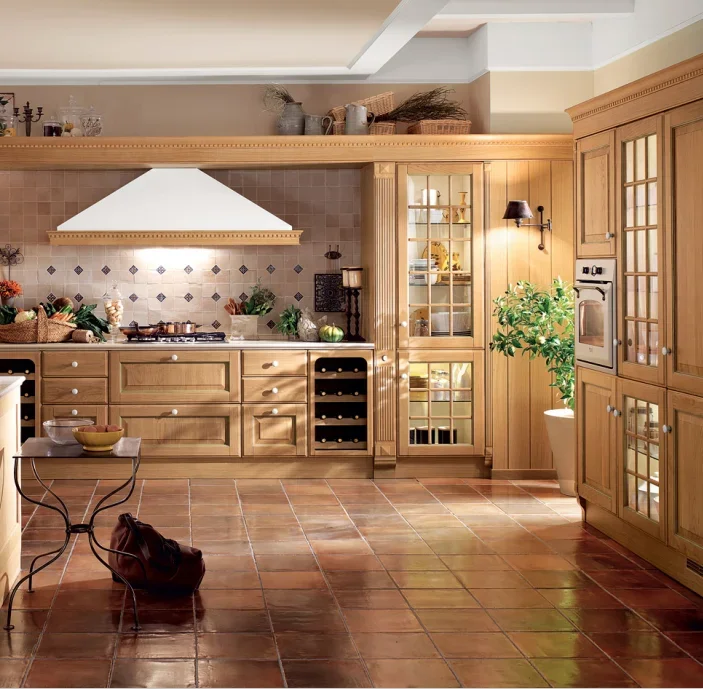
520,210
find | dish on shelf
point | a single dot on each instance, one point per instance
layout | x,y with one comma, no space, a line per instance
60,431
440,255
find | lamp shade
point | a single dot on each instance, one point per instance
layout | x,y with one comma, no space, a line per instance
517,210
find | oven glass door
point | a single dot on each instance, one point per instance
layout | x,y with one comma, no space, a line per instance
594,324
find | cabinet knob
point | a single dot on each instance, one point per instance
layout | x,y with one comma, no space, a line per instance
384,357
616,342
274,364
404,376
609,408
403,324
74,412
74,364
609,235
174,357
174,412
616,413
74,391
274,411
665,351
666,429
274,391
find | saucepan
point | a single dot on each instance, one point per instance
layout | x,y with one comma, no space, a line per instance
137,329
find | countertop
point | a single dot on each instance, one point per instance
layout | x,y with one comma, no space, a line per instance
237,344
9,383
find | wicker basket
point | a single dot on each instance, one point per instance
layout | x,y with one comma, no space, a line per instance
378,105
40,329
440,127
338,128
382,128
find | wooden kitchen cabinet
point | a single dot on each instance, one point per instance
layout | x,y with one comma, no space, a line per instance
74,390
273,430
96,413
595,192
143,376
273,389
74,363
596,396
274,362
185,430
441,405
684,152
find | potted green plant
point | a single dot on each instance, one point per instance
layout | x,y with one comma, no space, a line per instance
540,323
288,322
245,314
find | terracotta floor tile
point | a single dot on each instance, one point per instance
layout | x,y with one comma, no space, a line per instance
452,547
327,621
233,621
325,673
381,621
299,599
475,563
653,598
419,563
240,646
145,645
539,562
599,561
89,600
27,621
296,645
69,645
229,599
666,672
554,645
531,620
69,673
626,579
636,645
691,642
506,579
411,673
146,600
282,563
677,620
348,546
440,598
475,645
130,672
160,621
497,673
392,645
425,580
39,599
622,620
230,563
582,672
548,579
14,645
400,546
360,580
239,673
280,548
12,672
386,599
355,563
207,510
456,620
581,598
510,598
292,580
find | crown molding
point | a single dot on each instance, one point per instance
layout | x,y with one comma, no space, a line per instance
175,238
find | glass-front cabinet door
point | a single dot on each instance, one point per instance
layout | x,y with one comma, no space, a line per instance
640,411
641,303
440,219
441,410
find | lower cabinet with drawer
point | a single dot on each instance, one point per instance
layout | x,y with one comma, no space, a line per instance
274,430
187,430
76,363
74,390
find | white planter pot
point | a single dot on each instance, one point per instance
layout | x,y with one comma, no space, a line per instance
244,327
561,429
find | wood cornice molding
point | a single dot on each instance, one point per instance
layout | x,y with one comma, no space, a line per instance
175,238
19,153
669,88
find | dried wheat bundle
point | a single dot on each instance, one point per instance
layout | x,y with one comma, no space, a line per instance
427,105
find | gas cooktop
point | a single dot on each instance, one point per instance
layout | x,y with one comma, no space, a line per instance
193,338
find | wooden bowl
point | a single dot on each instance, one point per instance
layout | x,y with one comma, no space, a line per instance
95,441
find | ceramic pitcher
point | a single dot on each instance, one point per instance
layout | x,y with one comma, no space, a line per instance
292,120
317,125
357,120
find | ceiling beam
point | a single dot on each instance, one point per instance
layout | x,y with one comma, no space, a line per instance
526,10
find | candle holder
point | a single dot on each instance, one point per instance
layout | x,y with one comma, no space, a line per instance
352,282
28,117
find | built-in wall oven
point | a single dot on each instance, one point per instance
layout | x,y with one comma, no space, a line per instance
596,304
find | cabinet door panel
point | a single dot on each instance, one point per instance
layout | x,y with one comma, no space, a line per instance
74,390
275,430
595,180
684,152
596,394
272,362
72,364
685,416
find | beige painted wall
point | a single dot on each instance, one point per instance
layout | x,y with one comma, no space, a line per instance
223,110
665,52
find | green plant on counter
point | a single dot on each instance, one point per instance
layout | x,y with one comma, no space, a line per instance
261,301
85,319
540,323
288,321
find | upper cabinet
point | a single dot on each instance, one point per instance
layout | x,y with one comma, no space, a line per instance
638,222
684,247
440,228
595,174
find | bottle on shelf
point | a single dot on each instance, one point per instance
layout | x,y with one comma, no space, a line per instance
323,417
339,416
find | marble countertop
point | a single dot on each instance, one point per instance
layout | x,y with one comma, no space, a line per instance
9,383
237,344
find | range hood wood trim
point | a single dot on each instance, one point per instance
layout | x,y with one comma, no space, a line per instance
113,153
176,238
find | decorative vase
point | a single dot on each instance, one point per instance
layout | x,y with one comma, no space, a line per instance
561,429
460,217
357,119
292,120
9,301
244,327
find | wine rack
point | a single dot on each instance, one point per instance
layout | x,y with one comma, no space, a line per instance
28,399
341,404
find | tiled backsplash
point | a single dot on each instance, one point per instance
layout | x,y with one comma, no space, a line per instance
174,284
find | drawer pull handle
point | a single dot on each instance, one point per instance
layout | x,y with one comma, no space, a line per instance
616,413
666,429
609,408
74,412
384,357
274,391
74,364
404,376
403,324
665,351
74,391
274,411
274,364
609,235
174,357
174,412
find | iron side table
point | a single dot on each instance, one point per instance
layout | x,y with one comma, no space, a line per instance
44,448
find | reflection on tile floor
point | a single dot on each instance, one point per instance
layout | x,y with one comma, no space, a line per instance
313,583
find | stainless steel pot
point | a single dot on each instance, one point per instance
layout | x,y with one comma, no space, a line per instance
185,328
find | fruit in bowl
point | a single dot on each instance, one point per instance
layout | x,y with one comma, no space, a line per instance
60,431
98,438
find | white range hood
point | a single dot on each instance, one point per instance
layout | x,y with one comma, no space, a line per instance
174,207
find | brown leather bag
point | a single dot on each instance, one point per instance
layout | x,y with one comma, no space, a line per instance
161,565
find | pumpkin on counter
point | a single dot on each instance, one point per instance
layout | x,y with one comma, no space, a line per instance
331,333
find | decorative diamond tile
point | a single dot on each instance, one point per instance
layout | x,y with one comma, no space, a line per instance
161,270
78,270
298,296
243,296
216,269
133,297
188,269
51,270
161,296
298,269
271,268
51,297
78,297
243,269
134,270
216,297
188,297
105,270
271,325
216,324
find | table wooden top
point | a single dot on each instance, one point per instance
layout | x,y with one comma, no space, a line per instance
45,448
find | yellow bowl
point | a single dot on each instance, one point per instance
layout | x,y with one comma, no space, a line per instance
97,442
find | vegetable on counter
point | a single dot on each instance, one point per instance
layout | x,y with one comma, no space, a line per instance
85,319
7,314
23,316
331,333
